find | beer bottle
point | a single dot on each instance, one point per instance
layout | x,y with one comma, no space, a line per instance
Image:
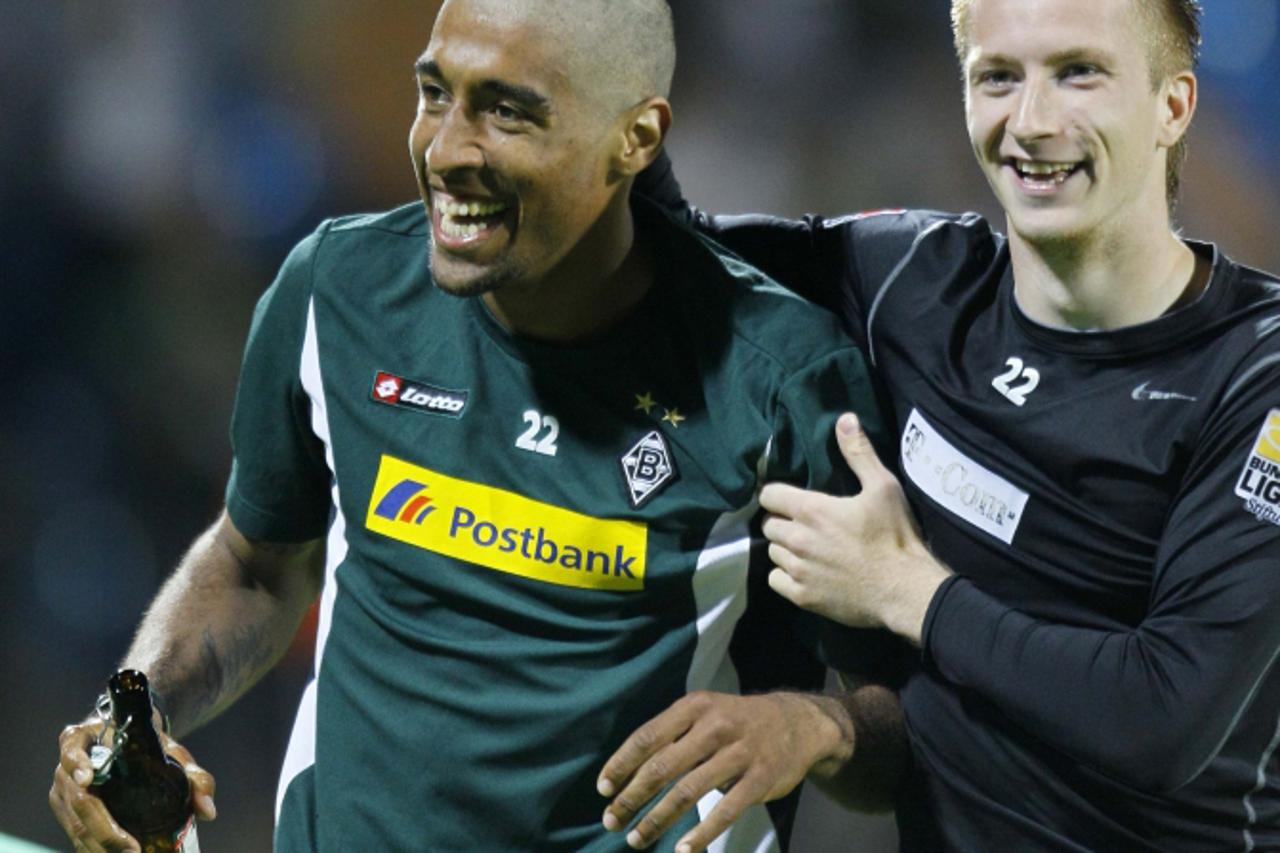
146,791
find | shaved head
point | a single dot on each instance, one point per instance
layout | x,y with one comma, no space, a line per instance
534,117
619,52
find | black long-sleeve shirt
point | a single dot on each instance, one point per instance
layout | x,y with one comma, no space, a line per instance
1101,672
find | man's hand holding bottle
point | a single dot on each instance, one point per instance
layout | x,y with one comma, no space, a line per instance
123,784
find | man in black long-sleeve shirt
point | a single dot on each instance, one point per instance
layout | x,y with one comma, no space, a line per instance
1089,423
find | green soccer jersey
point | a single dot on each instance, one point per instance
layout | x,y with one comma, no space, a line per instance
531,549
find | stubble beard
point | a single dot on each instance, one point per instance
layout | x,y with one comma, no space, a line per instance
475,282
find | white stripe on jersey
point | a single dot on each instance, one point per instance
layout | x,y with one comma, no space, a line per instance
720,594
1250,814
301,753
1265,363
888,282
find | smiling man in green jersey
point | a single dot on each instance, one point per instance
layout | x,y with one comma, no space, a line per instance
512,436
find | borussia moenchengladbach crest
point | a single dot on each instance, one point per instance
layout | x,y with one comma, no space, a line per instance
647,467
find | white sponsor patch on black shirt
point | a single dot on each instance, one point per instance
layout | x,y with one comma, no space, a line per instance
959,484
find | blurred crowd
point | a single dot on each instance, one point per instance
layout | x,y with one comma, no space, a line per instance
160,158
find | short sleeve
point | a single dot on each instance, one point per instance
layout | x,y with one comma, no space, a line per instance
805,454
279,485
804,450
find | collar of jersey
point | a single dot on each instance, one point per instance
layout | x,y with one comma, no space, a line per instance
1177,327
625,339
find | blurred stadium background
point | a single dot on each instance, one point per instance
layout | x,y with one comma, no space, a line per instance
159,160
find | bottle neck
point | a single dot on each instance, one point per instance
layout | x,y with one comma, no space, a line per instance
131,711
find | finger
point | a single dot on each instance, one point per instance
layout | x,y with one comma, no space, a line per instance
73,753
86,819
667,766
782,499
643,743
202,782
779,529
787,587
99,831
736,800
792,542
202,787
684,795
783,558
66,818
858,451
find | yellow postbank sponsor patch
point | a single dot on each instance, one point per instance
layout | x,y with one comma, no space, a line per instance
505,531
1259,482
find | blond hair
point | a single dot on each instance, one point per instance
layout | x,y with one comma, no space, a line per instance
1173,46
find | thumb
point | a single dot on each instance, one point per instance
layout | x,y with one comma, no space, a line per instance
858,451
202,788
202,782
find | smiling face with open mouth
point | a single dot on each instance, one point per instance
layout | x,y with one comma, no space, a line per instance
1063,115
508,155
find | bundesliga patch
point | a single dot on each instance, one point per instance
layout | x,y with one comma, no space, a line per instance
647,467
504,531
1259,482
407,394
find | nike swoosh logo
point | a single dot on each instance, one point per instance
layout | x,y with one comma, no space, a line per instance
1144,393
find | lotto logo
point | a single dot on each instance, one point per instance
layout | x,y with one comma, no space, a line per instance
386,388
394,390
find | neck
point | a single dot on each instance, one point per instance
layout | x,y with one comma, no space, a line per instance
1106,282
597,283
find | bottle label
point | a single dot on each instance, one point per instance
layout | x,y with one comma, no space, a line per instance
100,759
187,842
182,841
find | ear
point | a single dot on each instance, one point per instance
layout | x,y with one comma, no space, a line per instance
1177,106
644,127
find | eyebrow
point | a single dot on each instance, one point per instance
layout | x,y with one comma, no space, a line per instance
529,98
1082,54
1062,57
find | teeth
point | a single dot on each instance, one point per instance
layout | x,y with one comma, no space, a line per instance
449,207
1028,167
450,210
453,228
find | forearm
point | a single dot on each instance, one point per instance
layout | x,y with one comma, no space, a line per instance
222,620
791,251
1149,706
874,756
